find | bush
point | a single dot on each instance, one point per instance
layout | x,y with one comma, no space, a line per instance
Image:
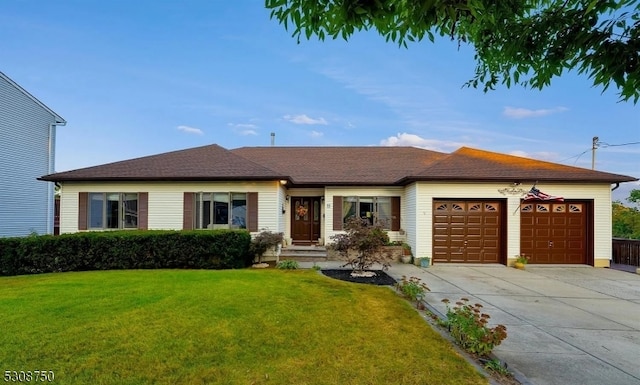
364,240
468,327
264,241
287,265
412,289
217,249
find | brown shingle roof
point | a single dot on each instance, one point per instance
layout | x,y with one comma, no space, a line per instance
334,166
472,164
201,163
342,165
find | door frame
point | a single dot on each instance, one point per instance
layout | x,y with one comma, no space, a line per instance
292,218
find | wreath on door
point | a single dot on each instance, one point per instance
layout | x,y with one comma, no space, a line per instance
301,211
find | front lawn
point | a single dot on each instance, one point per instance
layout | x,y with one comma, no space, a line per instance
219,327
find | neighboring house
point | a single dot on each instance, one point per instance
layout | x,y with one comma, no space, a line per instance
27,151
464,207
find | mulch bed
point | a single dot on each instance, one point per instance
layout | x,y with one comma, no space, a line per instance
381,278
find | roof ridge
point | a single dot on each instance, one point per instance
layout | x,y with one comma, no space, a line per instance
59,119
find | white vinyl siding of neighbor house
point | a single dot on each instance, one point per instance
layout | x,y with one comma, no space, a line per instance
369,191
26,153
599,193
165,201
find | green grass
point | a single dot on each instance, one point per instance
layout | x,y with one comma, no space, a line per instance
219,327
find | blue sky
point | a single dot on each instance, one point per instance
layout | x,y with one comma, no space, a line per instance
144,77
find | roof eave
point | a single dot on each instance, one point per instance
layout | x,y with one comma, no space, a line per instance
410,179
52,178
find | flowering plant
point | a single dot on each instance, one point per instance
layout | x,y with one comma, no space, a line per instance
301,211
522,259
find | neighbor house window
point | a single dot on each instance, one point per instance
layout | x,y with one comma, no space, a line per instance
221,210
374,209
113,210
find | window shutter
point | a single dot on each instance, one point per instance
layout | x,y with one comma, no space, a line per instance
252,211
337,212
395,213
143,210
188,211
83,202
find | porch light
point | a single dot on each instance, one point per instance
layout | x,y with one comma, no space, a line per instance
283,182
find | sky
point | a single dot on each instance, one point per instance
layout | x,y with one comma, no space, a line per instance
136,78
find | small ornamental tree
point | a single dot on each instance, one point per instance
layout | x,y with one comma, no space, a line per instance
264,241
361,245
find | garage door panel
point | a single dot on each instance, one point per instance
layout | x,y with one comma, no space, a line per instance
542,232
490,232
469,224
457,219
491,220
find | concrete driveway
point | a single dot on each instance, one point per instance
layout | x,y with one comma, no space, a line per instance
565,325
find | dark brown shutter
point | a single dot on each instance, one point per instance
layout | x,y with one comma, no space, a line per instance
83,202
252,211
337,212
395,213
188,211
143,210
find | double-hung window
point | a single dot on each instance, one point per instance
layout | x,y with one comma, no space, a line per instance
221,210
113,210
374,209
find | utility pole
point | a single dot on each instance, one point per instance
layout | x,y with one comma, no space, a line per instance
594,146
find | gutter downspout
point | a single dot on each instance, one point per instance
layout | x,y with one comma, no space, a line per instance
616,186
50,170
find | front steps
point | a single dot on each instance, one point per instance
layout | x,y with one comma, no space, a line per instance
304,253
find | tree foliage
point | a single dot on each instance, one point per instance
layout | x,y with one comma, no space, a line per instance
626,220
526,42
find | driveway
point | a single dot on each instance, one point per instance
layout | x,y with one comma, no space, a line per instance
565,325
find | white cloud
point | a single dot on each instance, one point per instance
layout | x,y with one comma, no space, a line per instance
190,130
522,113
316,134
304,119
243,125
404,139
244,129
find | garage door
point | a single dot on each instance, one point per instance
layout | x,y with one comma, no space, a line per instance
467,231
554,232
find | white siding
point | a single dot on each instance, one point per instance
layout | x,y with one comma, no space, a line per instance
330,192
409,214
26,204
166,200
599,193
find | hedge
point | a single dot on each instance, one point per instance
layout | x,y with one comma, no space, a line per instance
109,250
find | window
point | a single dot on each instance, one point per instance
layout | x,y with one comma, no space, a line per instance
373,209
221,210
113,210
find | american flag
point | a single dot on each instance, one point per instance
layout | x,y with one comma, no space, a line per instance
535,194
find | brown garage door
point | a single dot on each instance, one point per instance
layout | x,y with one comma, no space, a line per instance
467,231
554,232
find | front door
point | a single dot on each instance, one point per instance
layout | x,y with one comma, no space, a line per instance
305,220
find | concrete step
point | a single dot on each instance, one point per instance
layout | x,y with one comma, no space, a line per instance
304,253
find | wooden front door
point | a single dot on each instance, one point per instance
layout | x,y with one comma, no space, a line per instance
305,220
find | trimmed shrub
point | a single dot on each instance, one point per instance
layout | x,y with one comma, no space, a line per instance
109,250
